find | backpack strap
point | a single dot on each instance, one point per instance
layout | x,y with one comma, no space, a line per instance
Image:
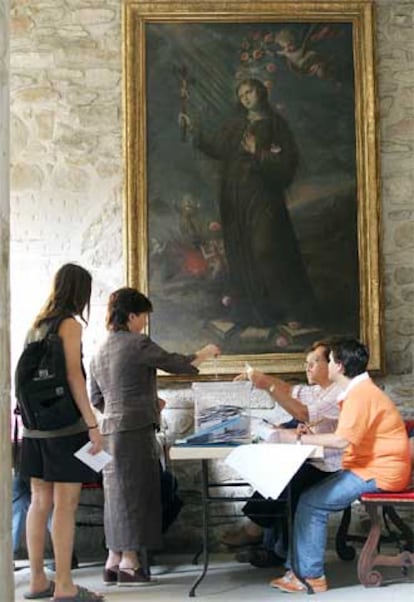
16,441
53,329
54,324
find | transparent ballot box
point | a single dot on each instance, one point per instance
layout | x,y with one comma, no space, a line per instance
221,412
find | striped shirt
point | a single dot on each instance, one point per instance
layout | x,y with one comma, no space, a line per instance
323,409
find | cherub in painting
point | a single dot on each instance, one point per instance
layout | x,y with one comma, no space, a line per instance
302,59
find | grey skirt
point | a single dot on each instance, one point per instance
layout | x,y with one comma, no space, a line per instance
131,481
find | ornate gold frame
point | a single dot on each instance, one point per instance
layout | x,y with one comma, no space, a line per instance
360,14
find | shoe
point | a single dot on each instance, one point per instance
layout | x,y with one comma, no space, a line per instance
262,559
291,584
242,556
46,593
134,577
240,538
288,576
110,576
82,595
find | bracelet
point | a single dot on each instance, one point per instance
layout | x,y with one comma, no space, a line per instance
95,426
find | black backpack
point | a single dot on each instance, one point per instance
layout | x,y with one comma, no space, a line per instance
44,399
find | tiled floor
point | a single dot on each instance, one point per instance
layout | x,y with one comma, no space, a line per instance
229,581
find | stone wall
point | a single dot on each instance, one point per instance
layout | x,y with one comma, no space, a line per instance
6,577
66,180
396,119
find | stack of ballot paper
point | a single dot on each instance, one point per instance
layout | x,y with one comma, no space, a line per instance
222,410
232,431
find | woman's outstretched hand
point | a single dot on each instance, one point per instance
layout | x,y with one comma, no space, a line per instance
206,353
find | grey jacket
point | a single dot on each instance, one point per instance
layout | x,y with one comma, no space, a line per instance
123,381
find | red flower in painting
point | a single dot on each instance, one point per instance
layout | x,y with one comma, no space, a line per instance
268,38
271,68
194,263
257,54
256,35
244,56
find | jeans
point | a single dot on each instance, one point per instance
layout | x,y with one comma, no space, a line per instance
333,494
275,539
21,503
21,498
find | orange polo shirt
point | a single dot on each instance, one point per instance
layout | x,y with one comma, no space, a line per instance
378,440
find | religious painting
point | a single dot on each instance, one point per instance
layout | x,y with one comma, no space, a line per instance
251,176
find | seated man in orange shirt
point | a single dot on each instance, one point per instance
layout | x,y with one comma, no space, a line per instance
376,457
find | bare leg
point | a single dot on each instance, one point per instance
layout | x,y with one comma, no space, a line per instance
66,498
129,560
39,509
113,559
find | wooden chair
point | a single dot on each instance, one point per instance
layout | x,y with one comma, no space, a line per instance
381,509
371,555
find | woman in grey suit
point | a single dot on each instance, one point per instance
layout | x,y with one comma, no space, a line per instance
124,389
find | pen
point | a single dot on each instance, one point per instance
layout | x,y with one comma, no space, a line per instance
310,425
310,431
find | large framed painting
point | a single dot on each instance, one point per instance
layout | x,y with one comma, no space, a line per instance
252,201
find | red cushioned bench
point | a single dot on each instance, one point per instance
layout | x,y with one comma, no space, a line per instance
371,555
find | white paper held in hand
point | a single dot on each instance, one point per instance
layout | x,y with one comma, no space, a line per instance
94,461
249,370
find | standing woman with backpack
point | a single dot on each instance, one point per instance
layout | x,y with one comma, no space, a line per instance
56,476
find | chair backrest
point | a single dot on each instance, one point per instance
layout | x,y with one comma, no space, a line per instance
409,425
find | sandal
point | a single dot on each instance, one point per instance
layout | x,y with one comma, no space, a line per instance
83,595
46,593
137,576
110,575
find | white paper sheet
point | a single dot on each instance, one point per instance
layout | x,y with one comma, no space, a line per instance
268,467
96,461
260,428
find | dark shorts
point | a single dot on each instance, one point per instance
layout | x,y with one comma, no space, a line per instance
52,459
